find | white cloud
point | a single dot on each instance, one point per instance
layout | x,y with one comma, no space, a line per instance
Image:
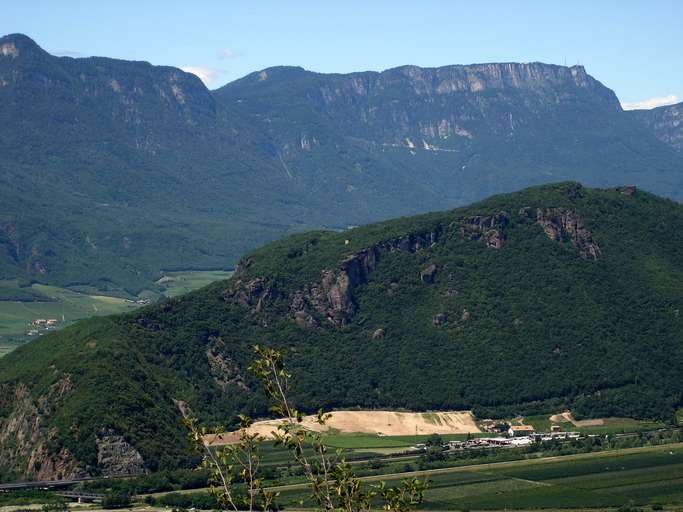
227,53
651,102
206,75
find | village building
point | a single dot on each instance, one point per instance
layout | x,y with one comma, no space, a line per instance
520,430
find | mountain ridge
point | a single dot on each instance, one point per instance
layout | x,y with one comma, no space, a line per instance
106,161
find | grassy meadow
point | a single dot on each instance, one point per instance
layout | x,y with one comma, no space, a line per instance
177,283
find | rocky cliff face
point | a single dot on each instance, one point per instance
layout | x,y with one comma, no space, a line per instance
433,109
27,438
117,457
223,369
563,224
25,435
665,122
331,298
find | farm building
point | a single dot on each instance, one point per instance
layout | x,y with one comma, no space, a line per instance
520,430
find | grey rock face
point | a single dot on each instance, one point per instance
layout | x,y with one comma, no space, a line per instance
666,123
254,293
115,456
223,368
489,228
561,223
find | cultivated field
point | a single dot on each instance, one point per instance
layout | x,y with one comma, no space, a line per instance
377,423
642,476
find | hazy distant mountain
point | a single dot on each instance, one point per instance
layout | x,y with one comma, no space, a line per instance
666,123
528,303
112,170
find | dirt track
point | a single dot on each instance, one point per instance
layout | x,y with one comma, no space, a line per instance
388,423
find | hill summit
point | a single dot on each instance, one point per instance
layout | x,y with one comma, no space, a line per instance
554,297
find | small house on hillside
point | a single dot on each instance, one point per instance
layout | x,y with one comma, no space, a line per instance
520,430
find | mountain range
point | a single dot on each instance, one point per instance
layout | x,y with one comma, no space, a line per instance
113,171
533,302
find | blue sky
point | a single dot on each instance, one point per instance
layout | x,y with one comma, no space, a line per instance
633,47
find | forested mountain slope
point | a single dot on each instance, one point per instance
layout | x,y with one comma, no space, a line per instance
552,297
113,170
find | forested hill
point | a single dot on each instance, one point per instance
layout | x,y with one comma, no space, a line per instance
556,296
111,170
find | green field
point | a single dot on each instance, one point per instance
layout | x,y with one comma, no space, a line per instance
357,441
619,425
59,303
177,283
643,476
542,423
606,481
62,304
67,306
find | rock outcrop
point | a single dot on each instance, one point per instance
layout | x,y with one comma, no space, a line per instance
489,228
427,275
332,297
24,437
629,190
565,224
117,457
254,293
223,368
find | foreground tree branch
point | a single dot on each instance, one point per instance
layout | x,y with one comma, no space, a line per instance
334,487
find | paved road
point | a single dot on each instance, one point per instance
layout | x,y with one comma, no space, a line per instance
53,484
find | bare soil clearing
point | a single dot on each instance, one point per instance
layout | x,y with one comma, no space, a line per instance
566,417
382,423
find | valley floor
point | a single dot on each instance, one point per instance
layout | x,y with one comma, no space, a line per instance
644,475
20,320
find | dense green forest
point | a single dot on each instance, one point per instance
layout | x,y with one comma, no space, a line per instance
483,307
